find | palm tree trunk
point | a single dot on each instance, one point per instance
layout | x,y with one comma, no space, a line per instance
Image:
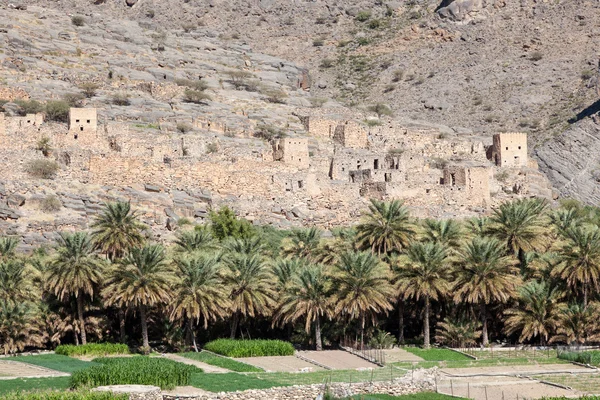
401,321
484,328
426,340
192,334
145,344
585,295
362,332
319,342
80,316
122,325
234,324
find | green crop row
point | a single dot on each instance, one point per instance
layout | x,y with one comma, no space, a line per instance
583,357
46,395
250,348
134,371
92,349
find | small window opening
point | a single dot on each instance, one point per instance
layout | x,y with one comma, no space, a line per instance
519,147
75,136
300,184
89,121
81,128
76,121
507,148
453,176
375,164
388,177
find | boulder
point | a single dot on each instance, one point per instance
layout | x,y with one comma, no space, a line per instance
459,10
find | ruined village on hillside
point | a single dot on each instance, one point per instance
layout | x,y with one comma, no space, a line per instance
323,176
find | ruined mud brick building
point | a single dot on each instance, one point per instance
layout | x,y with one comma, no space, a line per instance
323,176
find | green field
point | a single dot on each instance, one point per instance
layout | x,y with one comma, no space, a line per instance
55,362
16,385
230,382
223,362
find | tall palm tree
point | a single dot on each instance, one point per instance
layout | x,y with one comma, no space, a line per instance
537,313
250,287
362,288
580,255
199,293
117,229
198,239
519,225
76,271
16,281
578,324
385,228
307,297
447,232
8,246
142,279
303,243
484,274
423,272
284,270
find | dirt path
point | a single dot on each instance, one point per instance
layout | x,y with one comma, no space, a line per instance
15,369
513,370
281,364
337,359
205,367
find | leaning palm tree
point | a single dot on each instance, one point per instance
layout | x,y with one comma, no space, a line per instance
250,287
484,275
302,243
537,313
117,229
142,279
76,272
198,239
385,228
447,232
362,288
307,298
519,225
423,273
8,246
580,255
200,294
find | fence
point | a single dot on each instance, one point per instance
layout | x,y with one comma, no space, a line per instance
507,351
374,355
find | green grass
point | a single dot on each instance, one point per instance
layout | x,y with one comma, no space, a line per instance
54,395
523,353
220,361
26,384
250,348
92,349
231,382
55,362
583,357
470,363
134,371
436,354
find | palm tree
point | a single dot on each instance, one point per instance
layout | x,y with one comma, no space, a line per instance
199,239
17,326
519,224
564,219
423,273
537,313
478,226
8,246
251,287
302,243
484,275
117,229
385,228
578,324
142,279
247,245
446,232
76,271
362,288
200,293
580,255
307,297
15,281
284,270
458,332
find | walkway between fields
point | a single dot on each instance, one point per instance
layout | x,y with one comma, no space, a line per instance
205,367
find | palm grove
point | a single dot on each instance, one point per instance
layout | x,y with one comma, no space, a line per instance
526,273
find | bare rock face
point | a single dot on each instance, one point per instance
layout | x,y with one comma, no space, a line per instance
459,10
570,162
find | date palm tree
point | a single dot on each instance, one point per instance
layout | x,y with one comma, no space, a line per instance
423,272
16,281
362,288
520,225
385,228
580,256
484,274
198,239
200,294
537,313
302,243
117,229
307,297
250,286
76,271
8,246
578,324
284,270
142,279
446,232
